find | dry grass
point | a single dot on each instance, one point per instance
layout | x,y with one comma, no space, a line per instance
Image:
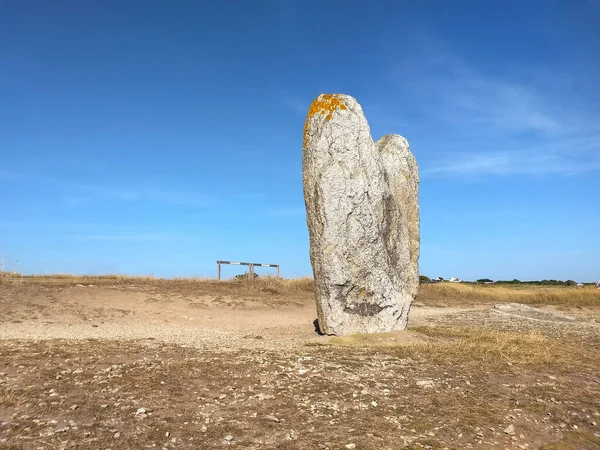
494,348
365,389
361,394
457,293
575,440
485,348
235,287
438,294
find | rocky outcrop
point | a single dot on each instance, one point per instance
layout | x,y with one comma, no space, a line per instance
363,218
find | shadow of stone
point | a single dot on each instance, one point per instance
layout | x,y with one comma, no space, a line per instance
317,328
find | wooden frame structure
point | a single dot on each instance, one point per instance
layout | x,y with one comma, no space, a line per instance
251,267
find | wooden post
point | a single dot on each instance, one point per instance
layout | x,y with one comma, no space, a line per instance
219,264
277,271
251,271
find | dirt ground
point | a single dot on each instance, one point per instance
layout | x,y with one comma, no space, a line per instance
91,366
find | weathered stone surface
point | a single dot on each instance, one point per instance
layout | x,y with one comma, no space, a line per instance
363,218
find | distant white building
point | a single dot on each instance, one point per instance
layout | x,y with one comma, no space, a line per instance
451,280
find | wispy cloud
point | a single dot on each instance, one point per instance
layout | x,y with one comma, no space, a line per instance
298,211
93,192
297,105
129,237
470,98
96,231
511,163
504,124
249,196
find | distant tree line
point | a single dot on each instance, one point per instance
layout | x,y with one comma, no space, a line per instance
540,282
426,279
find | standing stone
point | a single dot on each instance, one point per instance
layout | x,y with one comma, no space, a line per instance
363,219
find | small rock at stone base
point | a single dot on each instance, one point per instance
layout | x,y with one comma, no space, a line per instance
273,419
510,430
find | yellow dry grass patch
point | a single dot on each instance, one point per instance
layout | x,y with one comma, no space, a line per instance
489,347
438,294
486,348
240,287
458,293
392,339
575,440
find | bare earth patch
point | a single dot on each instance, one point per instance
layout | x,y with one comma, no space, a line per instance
149,366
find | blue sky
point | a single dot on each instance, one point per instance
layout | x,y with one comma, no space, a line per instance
157,137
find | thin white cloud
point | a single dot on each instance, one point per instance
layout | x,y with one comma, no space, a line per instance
96,231
562,156
287,212
300,107
473,99
473,163
49,225
92,192
250,195
510,163
487,123
131,237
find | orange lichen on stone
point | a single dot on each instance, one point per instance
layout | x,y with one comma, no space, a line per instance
326,105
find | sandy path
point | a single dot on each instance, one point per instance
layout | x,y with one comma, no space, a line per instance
101,313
